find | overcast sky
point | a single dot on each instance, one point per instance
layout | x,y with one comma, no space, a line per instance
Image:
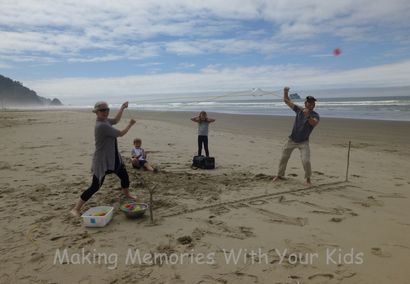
109,49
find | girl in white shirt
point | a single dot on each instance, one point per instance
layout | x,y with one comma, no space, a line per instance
203,124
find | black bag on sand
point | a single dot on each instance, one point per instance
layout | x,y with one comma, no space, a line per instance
203,162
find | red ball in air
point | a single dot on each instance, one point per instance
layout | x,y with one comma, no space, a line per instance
337,51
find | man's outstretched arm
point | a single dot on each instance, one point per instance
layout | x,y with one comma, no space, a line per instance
286,98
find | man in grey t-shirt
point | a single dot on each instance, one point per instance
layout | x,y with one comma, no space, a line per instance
106,157
306,119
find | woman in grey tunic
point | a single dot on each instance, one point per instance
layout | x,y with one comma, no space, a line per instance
106,157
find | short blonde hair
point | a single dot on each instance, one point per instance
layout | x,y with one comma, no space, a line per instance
98,105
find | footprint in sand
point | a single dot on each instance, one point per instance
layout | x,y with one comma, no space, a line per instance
36,257
5,278
330,176
185,240
321,276
294,277
371,201
281,199
262,177
379,252
197,234
398,178
392,195
336,220
4,166
86,280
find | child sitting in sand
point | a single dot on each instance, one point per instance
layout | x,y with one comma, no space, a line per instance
203,123
139,157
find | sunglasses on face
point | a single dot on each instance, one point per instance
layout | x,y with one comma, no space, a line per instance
104,109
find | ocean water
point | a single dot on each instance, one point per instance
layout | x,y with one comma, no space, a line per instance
379,108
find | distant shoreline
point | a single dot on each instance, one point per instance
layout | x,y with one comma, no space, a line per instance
266,126
190,112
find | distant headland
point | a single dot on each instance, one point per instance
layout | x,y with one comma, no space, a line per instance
14,94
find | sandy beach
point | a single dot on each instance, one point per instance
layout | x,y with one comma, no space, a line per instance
334,232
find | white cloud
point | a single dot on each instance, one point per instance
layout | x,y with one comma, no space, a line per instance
5,66
186,65
108,57
68,29
216,78
234,46
149,64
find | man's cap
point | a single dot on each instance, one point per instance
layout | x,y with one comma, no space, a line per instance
99,105
310,99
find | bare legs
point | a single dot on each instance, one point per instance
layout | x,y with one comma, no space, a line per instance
95,186
76,211
149,168
128,195
137,164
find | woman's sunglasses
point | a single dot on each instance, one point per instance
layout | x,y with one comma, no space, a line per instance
104,109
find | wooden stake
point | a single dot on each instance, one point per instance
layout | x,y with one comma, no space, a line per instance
348,162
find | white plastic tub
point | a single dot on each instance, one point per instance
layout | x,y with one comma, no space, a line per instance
91,220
